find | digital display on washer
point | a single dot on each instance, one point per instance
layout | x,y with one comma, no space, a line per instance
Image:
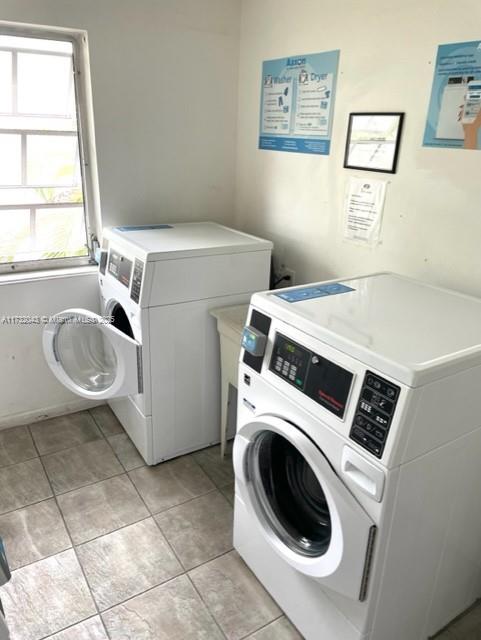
119,267
326,383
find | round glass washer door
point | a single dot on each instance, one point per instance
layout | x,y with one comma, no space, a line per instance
87,356
90,357
300,506
289,494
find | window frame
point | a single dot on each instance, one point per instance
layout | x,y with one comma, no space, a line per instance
86,142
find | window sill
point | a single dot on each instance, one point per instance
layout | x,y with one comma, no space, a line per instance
47,274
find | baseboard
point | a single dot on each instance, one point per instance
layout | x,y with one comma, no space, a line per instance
36,415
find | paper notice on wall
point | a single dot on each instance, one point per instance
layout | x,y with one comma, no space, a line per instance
364,203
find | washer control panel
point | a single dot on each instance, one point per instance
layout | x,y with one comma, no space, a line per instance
323,381
374,413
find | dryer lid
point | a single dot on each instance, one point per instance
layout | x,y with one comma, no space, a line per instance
185,240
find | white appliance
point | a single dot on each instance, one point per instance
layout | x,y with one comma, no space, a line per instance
157,362
358,481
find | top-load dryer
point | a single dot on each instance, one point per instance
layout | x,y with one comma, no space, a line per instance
357,455
153,352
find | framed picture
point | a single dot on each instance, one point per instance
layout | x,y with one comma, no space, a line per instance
373,141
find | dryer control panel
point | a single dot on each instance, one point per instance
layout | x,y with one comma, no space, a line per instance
127,272
374,413
119,267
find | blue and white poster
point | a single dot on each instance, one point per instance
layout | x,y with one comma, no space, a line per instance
454,115
297,103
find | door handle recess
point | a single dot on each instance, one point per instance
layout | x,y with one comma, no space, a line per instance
366,476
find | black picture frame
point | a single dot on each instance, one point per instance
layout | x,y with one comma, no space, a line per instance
370,165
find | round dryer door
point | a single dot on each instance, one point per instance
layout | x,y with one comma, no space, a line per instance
91,358
302,507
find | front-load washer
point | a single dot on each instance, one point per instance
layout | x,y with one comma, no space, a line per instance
357,455
153,353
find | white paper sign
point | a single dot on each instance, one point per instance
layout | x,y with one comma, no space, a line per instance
363,208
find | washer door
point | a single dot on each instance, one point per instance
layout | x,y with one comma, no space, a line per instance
93,359
304,510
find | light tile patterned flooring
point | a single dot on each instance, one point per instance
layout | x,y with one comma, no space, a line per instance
102,546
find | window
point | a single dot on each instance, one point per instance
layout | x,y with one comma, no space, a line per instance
47,186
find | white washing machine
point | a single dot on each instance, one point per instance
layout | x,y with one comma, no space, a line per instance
157,362
358,481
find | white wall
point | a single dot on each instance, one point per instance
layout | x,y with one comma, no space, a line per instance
164,82
432,217
28,390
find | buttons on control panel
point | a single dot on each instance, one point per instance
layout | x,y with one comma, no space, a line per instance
288,368
374,413
137,280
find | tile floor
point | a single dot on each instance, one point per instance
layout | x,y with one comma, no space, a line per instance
102,546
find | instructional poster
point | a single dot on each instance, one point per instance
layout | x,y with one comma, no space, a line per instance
454,115
363,208
297,103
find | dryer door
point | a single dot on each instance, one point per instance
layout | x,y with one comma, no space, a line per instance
91,358
304,510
